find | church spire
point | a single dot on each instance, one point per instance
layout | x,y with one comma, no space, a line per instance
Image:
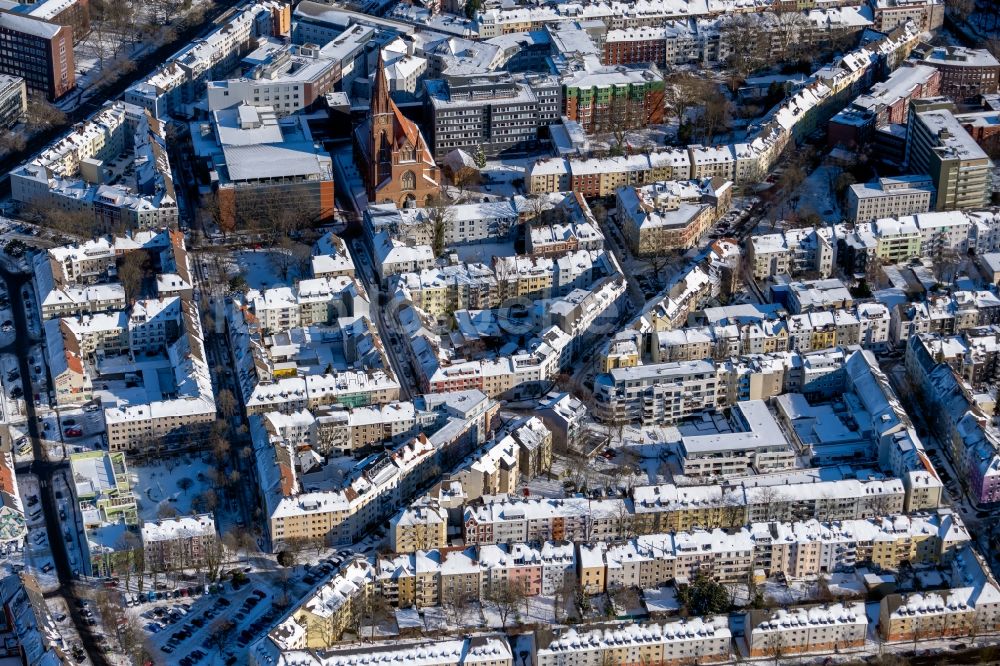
381,101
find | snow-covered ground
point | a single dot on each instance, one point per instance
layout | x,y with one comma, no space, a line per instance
158,486
499,175
262,269
483,252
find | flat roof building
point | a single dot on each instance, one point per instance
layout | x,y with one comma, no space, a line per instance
39,51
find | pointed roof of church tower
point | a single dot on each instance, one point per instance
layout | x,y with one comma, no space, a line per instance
381,102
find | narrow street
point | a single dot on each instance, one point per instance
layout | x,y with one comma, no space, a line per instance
613,236
212,287
400,366
44,470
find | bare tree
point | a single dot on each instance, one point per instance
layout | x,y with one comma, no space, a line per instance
206,502
767,499
747,51
212,554
132,271
239,540
226,402
369,608
776,646
12,142
42,115
455,600
655,248
220,633
716,115
624,524
564,594
734,512
439,216
505,596
165,511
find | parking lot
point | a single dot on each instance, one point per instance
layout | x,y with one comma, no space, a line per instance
188,630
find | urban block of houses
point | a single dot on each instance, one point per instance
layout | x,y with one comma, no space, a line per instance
146,364
113,167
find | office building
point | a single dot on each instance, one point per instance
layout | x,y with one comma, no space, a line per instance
494,111
38,51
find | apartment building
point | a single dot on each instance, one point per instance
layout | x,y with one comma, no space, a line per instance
319,621
926,15
421,526
13,525
888,101
750,440
39,52
357,428
473,650
13,100
799,549
635,46
179,83
968,605
785,496
494,111
613,98
658,393
29,635
284,77
107,506
548,240
463,223
670,215
182,542
806,630
965,73
337,512
939,146
702,640
890,197
792,252
86,171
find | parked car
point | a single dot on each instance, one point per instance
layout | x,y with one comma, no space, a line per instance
73,432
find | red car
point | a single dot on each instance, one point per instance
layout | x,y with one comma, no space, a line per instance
73,432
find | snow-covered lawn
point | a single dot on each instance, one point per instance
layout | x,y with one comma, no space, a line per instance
263,269
483,252
817,194
535,610
157,485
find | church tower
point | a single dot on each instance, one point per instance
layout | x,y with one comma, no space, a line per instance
391,152
383,128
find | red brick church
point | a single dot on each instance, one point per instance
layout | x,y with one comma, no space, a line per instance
392,154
